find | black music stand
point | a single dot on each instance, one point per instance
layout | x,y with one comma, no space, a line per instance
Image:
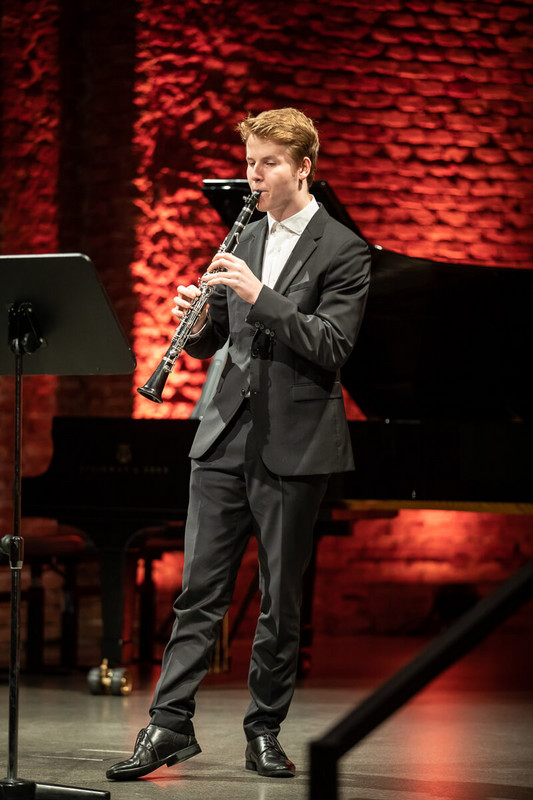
58,314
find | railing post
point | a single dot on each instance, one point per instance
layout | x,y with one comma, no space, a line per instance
437,656
323,771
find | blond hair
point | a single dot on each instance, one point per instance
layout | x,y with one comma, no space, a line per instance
286,126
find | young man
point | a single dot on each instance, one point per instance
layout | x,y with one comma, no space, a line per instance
291,300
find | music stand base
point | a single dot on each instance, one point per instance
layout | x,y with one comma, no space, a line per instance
19,789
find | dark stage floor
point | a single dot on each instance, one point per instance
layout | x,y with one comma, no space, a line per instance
467,736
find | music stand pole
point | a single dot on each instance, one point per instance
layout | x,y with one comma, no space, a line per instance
83,337
24,339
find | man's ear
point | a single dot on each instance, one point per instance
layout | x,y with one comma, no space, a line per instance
305,168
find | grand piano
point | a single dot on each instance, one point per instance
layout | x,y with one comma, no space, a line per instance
440,373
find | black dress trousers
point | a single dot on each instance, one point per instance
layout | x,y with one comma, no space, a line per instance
234,496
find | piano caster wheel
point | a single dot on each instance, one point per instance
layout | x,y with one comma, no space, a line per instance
103,680
121,683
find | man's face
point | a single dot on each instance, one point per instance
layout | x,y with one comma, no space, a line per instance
271,171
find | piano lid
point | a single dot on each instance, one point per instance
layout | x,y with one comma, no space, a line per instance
226,196
439,340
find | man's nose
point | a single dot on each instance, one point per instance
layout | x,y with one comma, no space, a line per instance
255,175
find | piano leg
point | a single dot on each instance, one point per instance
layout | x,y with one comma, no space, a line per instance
117,579
69,616
147,612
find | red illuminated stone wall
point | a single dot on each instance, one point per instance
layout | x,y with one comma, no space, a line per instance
96,193
29,224
67,186
111,115
424,110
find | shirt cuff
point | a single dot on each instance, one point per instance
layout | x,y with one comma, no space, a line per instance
193,337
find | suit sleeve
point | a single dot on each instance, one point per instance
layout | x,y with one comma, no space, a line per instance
216,331
325,337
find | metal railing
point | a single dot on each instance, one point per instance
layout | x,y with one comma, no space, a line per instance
441,653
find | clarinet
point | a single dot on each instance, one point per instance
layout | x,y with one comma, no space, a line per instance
153,388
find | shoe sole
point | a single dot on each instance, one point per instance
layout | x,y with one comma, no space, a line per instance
277,773
177,758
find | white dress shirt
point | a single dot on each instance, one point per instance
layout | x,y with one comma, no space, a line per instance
282,238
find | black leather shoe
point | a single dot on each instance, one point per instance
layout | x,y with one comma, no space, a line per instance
265,755
154,746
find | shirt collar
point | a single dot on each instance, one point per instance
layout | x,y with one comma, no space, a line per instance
298,222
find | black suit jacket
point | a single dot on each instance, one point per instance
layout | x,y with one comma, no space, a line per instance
287,349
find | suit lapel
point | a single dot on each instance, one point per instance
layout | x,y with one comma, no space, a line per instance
303,250
253,248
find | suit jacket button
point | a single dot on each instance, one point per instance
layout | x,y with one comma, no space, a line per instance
255,352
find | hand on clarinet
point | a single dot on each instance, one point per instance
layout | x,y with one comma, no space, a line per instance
227,269
182,303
